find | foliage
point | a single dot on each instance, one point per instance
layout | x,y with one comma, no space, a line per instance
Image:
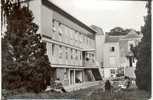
118,31
24,59
143,55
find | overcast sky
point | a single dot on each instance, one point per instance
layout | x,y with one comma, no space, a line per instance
106,14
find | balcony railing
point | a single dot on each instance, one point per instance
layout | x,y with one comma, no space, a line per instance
89,63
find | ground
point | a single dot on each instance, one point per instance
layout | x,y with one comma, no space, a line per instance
92,93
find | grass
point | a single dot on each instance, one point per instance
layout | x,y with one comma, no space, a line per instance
92,93
131,94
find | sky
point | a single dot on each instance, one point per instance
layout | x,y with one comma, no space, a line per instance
106,14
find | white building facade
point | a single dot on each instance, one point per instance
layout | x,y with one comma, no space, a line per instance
70,45
114,54
111,56
118,58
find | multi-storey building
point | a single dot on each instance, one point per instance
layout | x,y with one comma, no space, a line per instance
111,55
118,57
70,45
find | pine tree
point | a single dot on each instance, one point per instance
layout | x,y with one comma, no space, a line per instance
143,55
24,59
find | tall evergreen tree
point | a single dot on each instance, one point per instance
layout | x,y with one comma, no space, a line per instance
143,55
24,59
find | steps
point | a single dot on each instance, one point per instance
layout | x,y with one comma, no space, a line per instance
96,74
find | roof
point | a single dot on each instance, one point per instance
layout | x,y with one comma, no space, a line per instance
132,34
110,39
97,29
50,5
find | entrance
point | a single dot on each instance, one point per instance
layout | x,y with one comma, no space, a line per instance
72,77
78,76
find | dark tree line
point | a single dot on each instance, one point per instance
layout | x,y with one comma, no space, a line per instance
143,54
117,31
24,59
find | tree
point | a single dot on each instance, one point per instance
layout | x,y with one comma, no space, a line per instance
118,31
24,59
143,55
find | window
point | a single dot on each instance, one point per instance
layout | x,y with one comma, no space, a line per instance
71,53
71,34
66,31
80,55
78,76
76,35
112,49
60,52
53,26
87,56
130,61
93,60
60,29
93,43
66,53
131,46
72,77
87,40
53,49
112,71
120,72
112,60
80,37
76,55
83,38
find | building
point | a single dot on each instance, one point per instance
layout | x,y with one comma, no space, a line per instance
70,43
127,59
111,55
100,37
118,57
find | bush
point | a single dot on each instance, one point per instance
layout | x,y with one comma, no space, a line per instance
24,59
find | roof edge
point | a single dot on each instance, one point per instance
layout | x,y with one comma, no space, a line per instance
61,11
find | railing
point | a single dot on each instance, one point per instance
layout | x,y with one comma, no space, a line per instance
89,64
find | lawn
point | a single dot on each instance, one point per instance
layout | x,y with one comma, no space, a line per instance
130,94
92,93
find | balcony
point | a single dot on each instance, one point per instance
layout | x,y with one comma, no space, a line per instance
89,63
89,58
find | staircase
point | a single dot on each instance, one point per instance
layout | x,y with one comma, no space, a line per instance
96,74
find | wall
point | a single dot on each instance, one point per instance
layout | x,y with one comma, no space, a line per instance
107,73
65,39
63,75
130,72
35,7
108,54
46,20
99,49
